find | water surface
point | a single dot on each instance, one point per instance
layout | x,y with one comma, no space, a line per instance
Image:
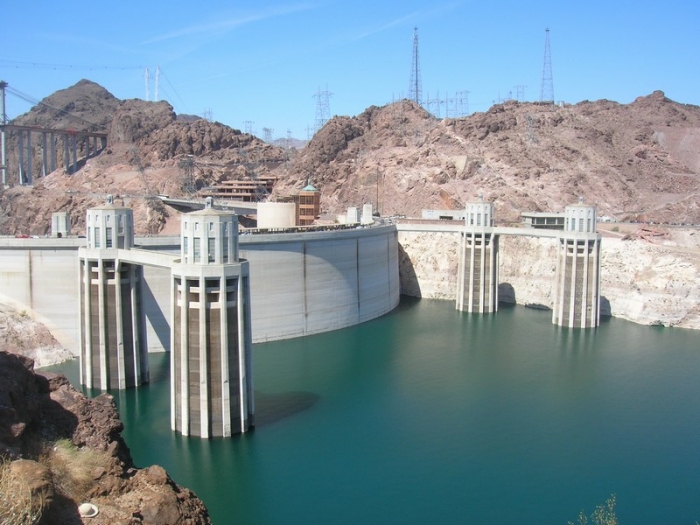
429,415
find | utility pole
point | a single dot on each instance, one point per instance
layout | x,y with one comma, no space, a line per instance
414,88
547,88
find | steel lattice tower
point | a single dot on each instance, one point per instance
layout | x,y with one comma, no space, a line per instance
547,88
414,88
323,107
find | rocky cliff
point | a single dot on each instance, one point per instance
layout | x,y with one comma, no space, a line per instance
63,449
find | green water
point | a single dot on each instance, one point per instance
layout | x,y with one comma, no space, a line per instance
429,415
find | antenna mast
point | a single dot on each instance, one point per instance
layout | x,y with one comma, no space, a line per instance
547,89
414,87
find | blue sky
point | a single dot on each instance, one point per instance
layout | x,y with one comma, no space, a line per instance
264,61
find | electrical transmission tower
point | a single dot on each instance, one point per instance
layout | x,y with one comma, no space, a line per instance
155,98
415,89
186,166
547,89
260,192
3,139
146,77
267,135
462,103
248,126
520,90
323,108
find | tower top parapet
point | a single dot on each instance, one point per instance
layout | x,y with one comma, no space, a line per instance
209,236
109,226
479,214
580,218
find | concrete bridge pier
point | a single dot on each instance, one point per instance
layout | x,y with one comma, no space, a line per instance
66,154
211,338
477,279
53,153
577,290
25,169
113,351
74,150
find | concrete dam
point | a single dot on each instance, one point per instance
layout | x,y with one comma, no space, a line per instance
209,294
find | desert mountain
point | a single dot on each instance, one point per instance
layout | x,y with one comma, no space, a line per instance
146,145
638,161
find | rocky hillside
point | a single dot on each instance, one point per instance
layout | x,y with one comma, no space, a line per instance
146,147
59,449
639,161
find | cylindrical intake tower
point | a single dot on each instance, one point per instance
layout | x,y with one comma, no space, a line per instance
212,380
112,324
577,290
477,280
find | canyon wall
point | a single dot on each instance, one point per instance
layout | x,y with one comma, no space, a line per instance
652,283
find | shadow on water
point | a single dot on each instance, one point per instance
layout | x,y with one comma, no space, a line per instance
407,303
270,408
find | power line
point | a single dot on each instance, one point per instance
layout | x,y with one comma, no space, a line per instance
35,102
17,64
174,90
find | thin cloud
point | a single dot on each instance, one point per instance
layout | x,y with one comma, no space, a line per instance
388,25
429,13
222,26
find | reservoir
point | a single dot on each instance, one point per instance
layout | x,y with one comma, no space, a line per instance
430,415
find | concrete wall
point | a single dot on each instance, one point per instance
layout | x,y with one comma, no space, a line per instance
301,284
308,283
43,281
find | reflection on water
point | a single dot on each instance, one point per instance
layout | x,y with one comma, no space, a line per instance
430,415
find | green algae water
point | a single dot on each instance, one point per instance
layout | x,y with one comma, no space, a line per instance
429,415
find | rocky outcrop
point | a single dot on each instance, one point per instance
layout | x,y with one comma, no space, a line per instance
38,410
20,334
652,284
428,264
